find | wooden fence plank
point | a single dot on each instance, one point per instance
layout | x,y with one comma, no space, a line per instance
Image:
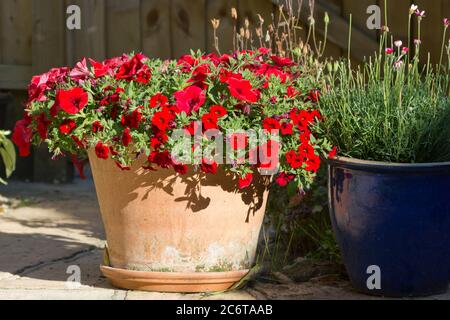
335,8
358,9
220,9
188,26
90,41
398,12
338,31
155,28
15,77
432,28
48,40
250,8
123,27
48,46
15,34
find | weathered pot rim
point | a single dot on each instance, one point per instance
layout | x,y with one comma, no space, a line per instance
173,281
369,165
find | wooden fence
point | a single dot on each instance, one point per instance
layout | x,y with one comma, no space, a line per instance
34,37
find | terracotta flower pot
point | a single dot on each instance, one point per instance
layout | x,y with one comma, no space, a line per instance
166,232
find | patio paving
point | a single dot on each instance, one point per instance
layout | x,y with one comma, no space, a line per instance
45,229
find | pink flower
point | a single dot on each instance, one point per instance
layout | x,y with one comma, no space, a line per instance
405,50
46,81
398,64
189,99
80,72
446,22
389,50
420,14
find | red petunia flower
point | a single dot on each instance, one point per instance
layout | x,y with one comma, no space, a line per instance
126,137
180,168
158,140
73,100
122,167
209,121
42,125
332,153
271,124
315,114
301,118
190,99
208,166
193,128
292,92
268,71
218,111
79,142
246,181
22,136
282,62
313,163
242,90
225,75
283,179
97,126
161,120
132,120
100,69
134,69
162,159
158,100
187,62
294,160
286,128
171,110
101,150
199,76
263,50
79,165
67,126
314,95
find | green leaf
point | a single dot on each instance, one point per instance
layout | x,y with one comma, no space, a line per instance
9,147
9,164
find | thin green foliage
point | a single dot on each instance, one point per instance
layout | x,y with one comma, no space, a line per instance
392,108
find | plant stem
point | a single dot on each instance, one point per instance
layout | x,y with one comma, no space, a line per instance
442,48
349,39
409,34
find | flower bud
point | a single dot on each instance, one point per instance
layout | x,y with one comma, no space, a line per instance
234,13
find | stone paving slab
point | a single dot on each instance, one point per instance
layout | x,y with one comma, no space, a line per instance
47,229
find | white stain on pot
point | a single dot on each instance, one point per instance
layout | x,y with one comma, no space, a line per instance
216,257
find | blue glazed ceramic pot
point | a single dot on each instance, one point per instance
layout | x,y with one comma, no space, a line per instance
392,223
